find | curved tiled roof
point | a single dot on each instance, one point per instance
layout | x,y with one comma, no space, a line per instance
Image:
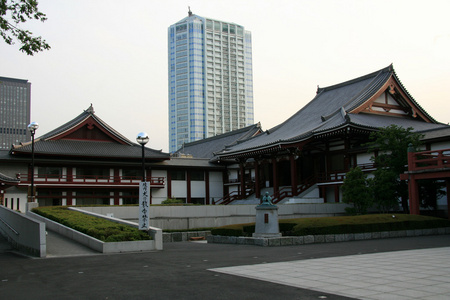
80,119
4,178
330,109
205,148
89,149
51,143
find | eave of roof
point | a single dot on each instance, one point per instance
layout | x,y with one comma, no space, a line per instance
337,100
6,179
205,148
92,149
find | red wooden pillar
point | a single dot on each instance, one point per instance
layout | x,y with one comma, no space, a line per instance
447,181
169,184
69,174
188,187
116,197
226,188
276,182
116,178
206,187
257,180
336,193
323,189
242,180
294,181
69,197
413,187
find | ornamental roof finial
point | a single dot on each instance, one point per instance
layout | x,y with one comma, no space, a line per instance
189,12
90,109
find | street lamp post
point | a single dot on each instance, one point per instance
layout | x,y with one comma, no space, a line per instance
142,138
144,188
32,127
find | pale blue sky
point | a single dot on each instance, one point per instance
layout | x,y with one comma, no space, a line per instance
114,54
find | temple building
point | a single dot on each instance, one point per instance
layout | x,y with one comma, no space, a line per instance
302,160
87,162
305,158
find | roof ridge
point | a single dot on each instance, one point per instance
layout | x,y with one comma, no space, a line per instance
351,81
226,134
89,112
326,89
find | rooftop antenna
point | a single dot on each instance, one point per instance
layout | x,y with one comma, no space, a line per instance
189,12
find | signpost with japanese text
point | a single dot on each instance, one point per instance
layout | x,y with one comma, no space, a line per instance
144,205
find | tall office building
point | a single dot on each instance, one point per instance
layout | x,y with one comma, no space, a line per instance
210,79
15,100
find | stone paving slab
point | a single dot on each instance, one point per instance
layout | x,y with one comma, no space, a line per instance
411,274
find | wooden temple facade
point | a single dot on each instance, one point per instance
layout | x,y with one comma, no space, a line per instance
87,162
308,155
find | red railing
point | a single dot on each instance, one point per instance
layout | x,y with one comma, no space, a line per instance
234,195
427,160
89,179
227,199
281,194
286,191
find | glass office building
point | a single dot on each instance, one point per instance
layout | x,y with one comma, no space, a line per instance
210,79
15,99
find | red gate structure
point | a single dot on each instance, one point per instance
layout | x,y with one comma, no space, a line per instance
433,164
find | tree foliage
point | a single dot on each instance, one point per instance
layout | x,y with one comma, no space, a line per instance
13,13
383,188
391,143
356,191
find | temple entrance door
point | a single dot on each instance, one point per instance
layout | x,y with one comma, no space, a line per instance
284,173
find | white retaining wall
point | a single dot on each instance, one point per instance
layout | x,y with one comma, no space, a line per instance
93,243
23,233
206,216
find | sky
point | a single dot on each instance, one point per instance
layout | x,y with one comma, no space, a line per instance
113,54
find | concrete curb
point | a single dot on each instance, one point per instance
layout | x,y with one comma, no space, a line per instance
329,238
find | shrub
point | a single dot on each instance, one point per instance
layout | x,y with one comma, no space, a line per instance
355,190
104,230
341,225
169,201
229,230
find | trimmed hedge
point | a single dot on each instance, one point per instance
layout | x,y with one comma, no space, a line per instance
340,225
104,230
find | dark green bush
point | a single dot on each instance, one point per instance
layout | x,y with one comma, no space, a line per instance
230,230
169,201
341,225
98,228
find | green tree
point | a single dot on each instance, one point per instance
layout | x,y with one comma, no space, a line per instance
391,143
383,189
13,13
356,191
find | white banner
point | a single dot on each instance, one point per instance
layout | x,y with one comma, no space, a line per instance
144,205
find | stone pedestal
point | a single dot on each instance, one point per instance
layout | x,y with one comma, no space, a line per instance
31,205
266,221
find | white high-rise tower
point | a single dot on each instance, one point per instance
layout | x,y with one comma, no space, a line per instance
210,79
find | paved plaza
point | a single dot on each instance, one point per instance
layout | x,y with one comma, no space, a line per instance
396,268
401,275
